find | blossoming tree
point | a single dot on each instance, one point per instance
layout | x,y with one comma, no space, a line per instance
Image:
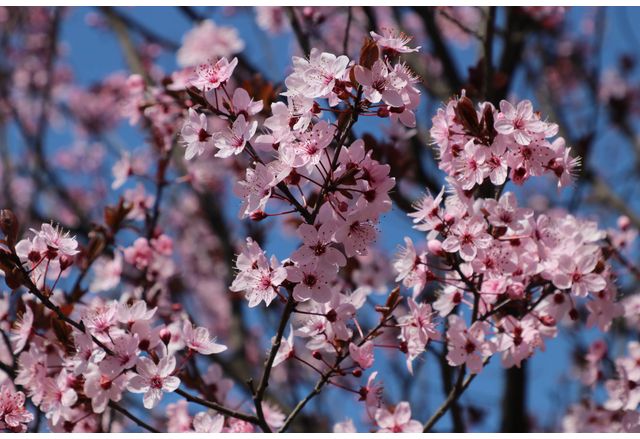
231,271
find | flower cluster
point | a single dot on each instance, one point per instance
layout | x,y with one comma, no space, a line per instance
121,350
13,416
517,272
510,143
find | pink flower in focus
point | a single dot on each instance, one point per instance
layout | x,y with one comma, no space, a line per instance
154,379
195,136
520,121
397,420
467,237
233,141
363,355
467,346
576,272
210,76
312,281
13,416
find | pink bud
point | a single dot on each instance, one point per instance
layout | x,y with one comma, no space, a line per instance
624,222
435,247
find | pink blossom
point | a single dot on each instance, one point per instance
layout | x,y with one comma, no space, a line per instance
154,379
316,76
393,41
258,277
286,349
363,355
380,84
233,141
467,237
519,121
22,330
106,273
208,422
102,386
13,416
312,281
397,420
576,272
195,136
59,397
210,76
200,341
467,346
208,40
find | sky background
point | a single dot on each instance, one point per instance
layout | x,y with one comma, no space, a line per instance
94,53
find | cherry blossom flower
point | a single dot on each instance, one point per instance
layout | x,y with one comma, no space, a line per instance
50,251
233,141
380,84
22,330
208,40
106,273
519,121
344,427
312,281
467,346
140,254
397,420
13,416
428,213
195,136
286,349
506,213
258,277
317,245
307,148
357,233
125,354
212,75
255,189
153,379
412,268
467,237
576,272
363,355
470,167
316,76
200,341
208,422
59,397
102,386
393,41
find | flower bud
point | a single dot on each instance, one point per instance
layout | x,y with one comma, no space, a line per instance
258,215
624,222
573,314
165,336
547,320
357,373
65,262
317,355
435,247
383,112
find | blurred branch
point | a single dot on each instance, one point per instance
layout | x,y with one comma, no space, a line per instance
440,47
302,37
